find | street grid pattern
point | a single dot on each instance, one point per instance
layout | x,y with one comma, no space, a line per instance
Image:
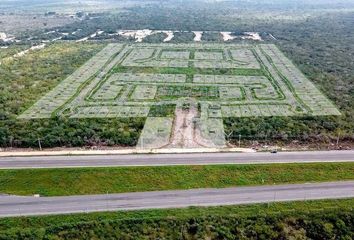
223,80
99,86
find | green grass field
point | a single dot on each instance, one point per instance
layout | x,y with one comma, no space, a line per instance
58,182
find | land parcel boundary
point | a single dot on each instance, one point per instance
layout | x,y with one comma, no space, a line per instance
127,80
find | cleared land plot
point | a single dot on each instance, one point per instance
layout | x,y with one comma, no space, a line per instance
110,112
257,110
147,78
245,57
108,91
208,55
210,125
231,93
175,54
156,132
144,92
178,91
259,87
148,57
229,79
212,129
228,58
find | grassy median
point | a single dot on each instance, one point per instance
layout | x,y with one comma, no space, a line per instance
61,182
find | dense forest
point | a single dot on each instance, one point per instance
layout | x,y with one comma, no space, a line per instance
322,49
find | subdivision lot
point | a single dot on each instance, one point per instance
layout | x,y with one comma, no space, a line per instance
156,132
242,80
282,90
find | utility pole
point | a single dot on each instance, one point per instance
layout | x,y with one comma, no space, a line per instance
106,200
229,135
39,144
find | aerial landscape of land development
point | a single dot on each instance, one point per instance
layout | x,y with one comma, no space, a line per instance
204,82
176,119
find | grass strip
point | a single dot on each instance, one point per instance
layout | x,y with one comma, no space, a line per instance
78,181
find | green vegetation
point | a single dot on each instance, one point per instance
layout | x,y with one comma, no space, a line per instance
182,37
190,70
326,219
166,110
211,37
307,129
55,182
325,56
24,80
71,94
11,50
30,82
72,132
155,38
178,91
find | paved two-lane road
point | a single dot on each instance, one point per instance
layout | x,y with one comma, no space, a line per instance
174,159
21,206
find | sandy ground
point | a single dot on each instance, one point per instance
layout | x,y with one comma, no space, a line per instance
198,36
169,37
226,36
186,133
5,38
24,52
252,36
37,47
91,36
183,129
2,36
138,35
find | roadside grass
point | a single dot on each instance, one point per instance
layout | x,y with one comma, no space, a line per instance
78,181
284,209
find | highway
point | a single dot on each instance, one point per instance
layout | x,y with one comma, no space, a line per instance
26,206
71,161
